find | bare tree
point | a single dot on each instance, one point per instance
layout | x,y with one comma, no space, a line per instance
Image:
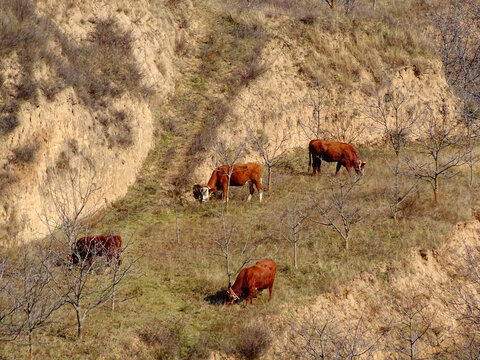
459,46
395,118
439,144
31,288
336,209
313,128
465,304
75,195
229,156
235,253
349,6
412,324
9,326
270,148
293,220
322,336
344,128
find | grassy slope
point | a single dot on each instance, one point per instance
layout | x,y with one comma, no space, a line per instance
168,315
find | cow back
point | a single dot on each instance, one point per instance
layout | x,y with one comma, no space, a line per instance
98,245
262,274
332,151
241,173
259,276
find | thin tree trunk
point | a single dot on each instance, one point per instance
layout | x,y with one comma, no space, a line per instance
177,228
397,190
30,346
114,290
412,342
269,178
435,190
79,325
295,254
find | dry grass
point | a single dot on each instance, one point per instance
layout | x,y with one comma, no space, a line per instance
178,277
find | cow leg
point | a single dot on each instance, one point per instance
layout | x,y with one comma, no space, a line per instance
258,185
339,165
317,164
252,190
270,289
250,296
347,166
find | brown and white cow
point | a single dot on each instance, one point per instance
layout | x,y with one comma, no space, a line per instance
240,175
89,247
257,277
332,151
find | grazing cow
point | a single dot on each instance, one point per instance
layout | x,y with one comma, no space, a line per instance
241,174
331,151
257,277
86,248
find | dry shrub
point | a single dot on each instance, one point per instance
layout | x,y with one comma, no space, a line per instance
253,341
8,123
6,177
24,154
117,129
182,47
252,69
412,207
163,339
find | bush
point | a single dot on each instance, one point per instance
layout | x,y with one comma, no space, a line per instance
253,341
24,154
8,123
164,340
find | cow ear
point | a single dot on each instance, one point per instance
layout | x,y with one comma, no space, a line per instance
363,164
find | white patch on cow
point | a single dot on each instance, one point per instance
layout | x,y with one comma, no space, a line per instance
249,197
261,194
204,193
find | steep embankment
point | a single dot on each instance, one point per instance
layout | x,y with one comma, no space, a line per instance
425,304
79,87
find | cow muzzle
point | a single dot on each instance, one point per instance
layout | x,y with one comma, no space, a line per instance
360,167
204,194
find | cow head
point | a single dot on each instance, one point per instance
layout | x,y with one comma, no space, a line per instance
360,167
232,297
72,259
201,193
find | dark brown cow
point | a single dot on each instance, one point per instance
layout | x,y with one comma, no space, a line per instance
86,248
257,277
331,151
241,174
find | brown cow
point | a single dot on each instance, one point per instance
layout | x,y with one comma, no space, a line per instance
331,151
257,277
86,248
241,174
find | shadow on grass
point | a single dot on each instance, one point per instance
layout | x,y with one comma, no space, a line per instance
219,298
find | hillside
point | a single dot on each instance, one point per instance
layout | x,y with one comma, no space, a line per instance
110,113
